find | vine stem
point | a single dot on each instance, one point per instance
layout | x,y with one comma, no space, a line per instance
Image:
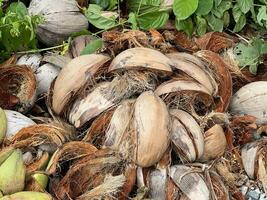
40,50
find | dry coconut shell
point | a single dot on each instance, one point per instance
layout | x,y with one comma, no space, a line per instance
119,124
140,57
92,177
83,110
192,128
61,19
17,88
251,100
69,151
215,143
194,68
31,60
192,184
43,134
151,120
73,77
221,75
15,122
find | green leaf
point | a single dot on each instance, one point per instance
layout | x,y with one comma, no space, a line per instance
201,24
236,12
262,15
248,55
204,7
93,14
19,8
103,3
264,1
133,21
224,6
217,3
155,20
184,8
143,5
185,25
245,5
214,23
240,23
92,47
112,4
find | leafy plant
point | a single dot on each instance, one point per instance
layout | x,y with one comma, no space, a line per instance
250,55
17,29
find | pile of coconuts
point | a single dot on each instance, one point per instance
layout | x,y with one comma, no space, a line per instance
139,123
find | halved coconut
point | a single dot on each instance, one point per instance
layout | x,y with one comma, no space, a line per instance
73,77
140,57
15,122
195,69
251,100
151,120
192,184
85,109
193,130
45,74
17,88
31,60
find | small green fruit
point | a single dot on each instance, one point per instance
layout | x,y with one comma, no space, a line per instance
27,196
12,173
3,124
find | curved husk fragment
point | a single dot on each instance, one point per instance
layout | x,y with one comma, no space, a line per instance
45,74
221,75
85,109
119,123
151,120
28,195
193,130
15,122
97,175
215,143
31,60
182,143
17,88
141,57
69,151
249,155
12,173
180,86
53,135
108,94
250,100
190,183
73,77
196,71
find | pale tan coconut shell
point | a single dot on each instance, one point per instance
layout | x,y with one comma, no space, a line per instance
182,143
151,120
249,155
181,85
190,183
83,110
74,76
215,143
140,57
193,130
196,71
119,123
